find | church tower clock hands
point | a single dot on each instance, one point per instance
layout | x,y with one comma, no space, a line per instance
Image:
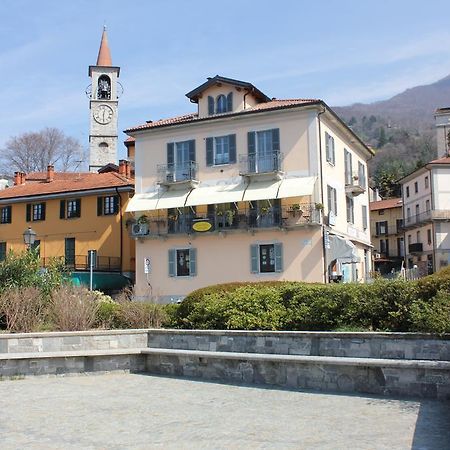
103,93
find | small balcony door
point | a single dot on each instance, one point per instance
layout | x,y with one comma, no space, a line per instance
69,249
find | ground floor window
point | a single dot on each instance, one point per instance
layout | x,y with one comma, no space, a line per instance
266,258
2,251
182,262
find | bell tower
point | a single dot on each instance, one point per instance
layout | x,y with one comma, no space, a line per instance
103,94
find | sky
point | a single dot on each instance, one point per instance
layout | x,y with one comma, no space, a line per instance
340,51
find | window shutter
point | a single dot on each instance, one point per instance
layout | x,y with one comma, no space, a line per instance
278,248
192,150
210,151
28,213
276,140
211,211
327,146
364,216
251,138
99,206
386,227
210,105
78,202
116,204
254,258
62,209
170,154
9,220
230,102
193,262
172,268
232,147
43,211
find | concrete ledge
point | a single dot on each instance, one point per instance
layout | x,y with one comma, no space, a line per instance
70,354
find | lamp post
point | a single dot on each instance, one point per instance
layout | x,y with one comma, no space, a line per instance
29,237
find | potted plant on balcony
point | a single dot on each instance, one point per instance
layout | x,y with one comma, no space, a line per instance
295,210
319,206
142,219
229,216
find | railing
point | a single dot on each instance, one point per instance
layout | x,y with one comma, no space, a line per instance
81,262
287,216
417,219
175,173
415,248
256,164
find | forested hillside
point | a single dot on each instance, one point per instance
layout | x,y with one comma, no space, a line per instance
401,131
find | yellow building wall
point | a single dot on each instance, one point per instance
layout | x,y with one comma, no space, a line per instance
91,232
391,215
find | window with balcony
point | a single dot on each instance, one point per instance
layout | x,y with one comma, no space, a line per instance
329,149
361,175
399,224
384,247
400,247
181,164
179,220
224,215
265,214
348,167
263,152
266,258
35,212
5,214
182,262
350,209
221,150
69,209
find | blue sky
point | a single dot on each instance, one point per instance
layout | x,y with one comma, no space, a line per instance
341,51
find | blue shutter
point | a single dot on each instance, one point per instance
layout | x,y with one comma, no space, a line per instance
278,249
210,105
276,140
230,102
172,259
210,151
254,258
170,154
251,142
191,150
193,262
232,147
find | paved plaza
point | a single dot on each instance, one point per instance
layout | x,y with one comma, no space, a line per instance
129,411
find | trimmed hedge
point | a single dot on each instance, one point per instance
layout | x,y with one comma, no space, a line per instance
384,305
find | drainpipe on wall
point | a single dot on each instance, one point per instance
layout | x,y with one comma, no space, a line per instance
324,249
121,231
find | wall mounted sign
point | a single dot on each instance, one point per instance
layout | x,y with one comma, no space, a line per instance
201,225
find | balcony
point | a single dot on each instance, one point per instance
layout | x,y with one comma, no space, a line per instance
81,263
417,220
415,248
254,165
171,174
354,185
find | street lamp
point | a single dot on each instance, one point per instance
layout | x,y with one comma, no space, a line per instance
29,236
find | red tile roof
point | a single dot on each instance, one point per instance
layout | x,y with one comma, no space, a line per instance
443,160
36,184
188,118
386,204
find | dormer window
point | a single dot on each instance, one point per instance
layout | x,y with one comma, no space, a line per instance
221,104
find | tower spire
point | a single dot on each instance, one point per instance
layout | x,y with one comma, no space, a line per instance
104,55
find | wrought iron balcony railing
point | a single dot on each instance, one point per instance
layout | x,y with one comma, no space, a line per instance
81,262
254,164
177,173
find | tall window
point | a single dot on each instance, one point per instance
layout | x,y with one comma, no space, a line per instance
381,228
399,224
361,175
182,262
108,205
407,191
427,182
69,209
332,200
329,147
418,237
2,251
364,217
35,212
5,214
384,246
263,151
400,247
180,161
416,187
266,258
429,240
348,167
427,205
350,211
221,150
417,210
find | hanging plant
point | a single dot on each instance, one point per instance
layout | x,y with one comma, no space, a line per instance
319,206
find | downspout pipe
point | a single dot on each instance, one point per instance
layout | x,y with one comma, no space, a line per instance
121,230
322,198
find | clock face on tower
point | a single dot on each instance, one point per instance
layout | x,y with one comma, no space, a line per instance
103,114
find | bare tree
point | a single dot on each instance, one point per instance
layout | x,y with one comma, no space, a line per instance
34,151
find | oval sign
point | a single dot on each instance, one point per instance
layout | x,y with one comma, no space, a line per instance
201,226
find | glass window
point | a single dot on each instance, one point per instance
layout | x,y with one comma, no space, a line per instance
364,217
427,182
330,153
429,240
407,191
267,258
221,104
350,212
332,200
417,210
182,263
5,216
73,208
416,187
38,211
427,205
222,150
109,205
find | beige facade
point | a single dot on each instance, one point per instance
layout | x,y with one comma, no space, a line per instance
268,176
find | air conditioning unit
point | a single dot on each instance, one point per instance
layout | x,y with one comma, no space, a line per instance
139,229
377,255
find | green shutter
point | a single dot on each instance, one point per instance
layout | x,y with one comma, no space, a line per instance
276,140
232,147
78,203
28,212
210,105
170,154
62,209
43,211
193,262
254,258
278,248
210,151
191,150
99,206
230,102
172,259
251,142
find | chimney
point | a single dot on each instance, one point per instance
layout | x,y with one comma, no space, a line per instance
17,178
23,176
50,173
122,167
128,169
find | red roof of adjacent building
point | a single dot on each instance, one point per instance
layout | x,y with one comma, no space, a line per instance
443,160
386,204
193,117
36,184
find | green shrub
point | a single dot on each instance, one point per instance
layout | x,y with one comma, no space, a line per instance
432,316
139,315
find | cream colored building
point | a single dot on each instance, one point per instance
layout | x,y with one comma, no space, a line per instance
248,188
426,210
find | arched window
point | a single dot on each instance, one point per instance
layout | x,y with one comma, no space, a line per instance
221,104
103,146
104,88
